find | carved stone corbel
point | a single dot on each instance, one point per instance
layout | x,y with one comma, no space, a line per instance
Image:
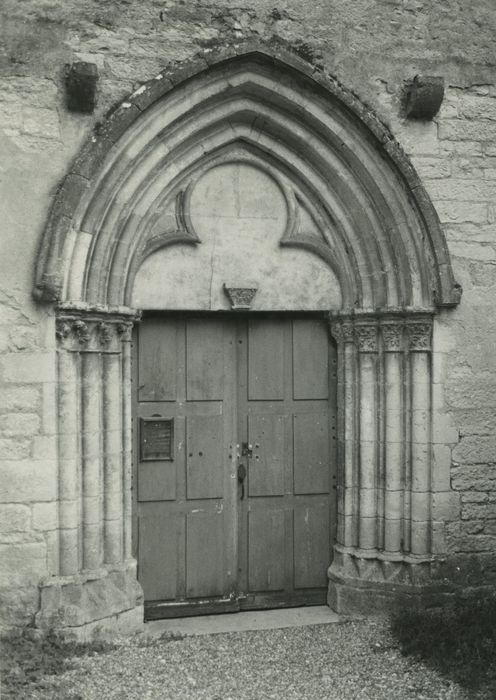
240,297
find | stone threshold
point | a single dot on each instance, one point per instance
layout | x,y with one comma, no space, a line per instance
244,621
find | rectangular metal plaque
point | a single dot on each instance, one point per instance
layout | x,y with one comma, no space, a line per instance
157,439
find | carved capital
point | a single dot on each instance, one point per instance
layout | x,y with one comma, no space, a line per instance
125,330
342,331
81,332
419,334
62,329
78,333
392,335
105,333
366,337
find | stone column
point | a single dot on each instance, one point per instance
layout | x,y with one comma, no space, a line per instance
97,578
385,480
347,474
394,436
419,337
69,477
368,445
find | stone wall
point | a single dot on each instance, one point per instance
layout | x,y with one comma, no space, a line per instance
370,47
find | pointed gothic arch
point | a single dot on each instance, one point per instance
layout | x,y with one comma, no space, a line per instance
376,224
372,224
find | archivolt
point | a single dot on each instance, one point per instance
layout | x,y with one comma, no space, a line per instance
376,226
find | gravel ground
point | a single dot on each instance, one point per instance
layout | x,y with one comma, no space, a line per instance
343,661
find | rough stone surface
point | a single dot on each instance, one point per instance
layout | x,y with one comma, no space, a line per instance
84,602
372,48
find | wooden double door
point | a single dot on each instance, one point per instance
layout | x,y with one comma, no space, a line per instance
234,499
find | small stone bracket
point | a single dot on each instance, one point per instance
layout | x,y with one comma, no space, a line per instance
80,83
424,97
240,297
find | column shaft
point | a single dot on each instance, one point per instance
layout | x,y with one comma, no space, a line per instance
393,452
421,452
69,478
92,460
368,452
127,454
112,420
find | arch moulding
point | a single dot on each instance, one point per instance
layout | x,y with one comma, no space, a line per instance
354,206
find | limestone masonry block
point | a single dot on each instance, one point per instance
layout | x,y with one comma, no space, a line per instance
22,564
446,506
467,130
455,189
25,424
464,210
44,447
28,367
28,480
14,448
14,517
19,604
45,516
474,449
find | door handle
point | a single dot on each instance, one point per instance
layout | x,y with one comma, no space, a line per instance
241,479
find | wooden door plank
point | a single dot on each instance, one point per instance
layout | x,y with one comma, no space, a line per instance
157,360
156,481
266,547
311,452
204,360
158,542
265,360
311,545
310,360
266,435
205,457
205,571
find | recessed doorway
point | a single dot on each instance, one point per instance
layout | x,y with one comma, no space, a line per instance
235,461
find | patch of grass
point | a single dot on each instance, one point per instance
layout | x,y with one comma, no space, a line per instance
459,642
28,659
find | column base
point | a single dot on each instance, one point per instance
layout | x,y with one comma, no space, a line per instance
364,583
94,604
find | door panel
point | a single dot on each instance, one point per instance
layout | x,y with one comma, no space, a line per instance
265,369
241,390
205,456
311,544
266,435
205,361
157,361
311,452
266,557
205,570
159,582
310,360
157,481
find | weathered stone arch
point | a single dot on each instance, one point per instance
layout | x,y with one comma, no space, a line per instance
376,222
373,225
